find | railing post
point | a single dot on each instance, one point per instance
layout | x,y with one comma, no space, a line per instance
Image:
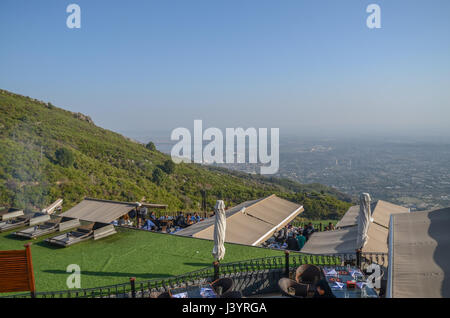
216,265
358,258
133,287
286,265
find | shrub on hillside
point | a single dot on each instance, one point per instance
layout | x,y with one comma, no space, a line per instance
158,176
150,146
64,157
169,166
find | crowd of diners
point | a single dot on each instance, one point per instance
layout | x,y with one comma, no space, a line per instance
144,219
293,238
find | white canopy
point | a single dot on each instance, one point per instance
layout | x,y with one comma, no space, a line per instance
220,225
419,257
364,219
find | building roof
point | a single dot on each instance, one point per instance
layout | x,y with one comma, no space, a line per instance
332,242
197,227
153,205
419,258
350,217
382,211
251,222
343,240
377,241
96,210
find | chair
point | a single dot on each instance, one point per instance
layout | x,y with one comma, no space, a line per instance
287,285
308,274
232,294
223,285
164,295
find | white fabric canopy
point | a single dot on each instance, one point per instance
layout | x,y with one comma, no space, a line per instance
419,258
220,225
365,217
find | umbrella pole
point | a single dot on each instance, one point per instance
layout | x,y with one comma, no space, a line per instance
216,265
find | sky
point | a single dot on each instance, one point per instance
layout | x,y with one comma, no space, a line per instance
307,67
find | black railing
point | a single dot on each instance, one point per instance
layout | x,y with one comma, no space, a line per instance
267,270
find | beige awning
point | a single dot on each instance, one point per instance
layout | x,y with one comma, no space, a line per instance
154,205
95,210
350,217
250,223
382,212
332,242
343,240
377,239
419,258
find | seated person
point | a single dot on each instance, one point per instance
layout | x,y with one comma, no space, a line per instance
292,243
301,241
155,219
149,225
323,290
181,220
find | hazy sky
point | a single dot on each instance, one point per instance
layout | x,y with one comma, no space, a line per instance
304,66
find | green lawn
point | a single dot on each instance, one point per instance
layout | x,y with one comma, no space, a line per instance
129,253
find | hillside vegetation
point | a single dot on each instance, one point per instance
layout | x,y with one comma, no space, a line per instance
47,152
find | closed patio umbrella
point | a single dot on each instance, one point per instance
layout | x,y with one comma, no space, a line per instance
220,225
364,219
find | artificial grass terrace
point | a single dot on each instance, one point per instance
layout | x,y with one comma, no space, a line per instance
129,253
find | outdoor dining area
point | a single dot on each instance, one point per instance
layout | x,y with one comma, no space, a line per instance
305,281
220,288
312,281
349,272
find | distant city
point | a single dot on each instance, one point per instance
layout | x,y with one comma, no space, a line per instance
415,174
412,174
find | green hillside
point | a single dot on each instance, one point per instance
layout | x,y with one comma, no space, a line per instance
47,152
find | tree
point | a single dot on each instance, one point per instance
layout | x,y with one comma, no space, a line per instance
169,166
150,146
64,157
158,176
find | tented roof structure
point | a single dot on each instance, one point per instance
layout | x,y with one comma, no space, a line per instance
153,205
383,210
350,217
251,222
96,210
332,242
419,256
343,240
